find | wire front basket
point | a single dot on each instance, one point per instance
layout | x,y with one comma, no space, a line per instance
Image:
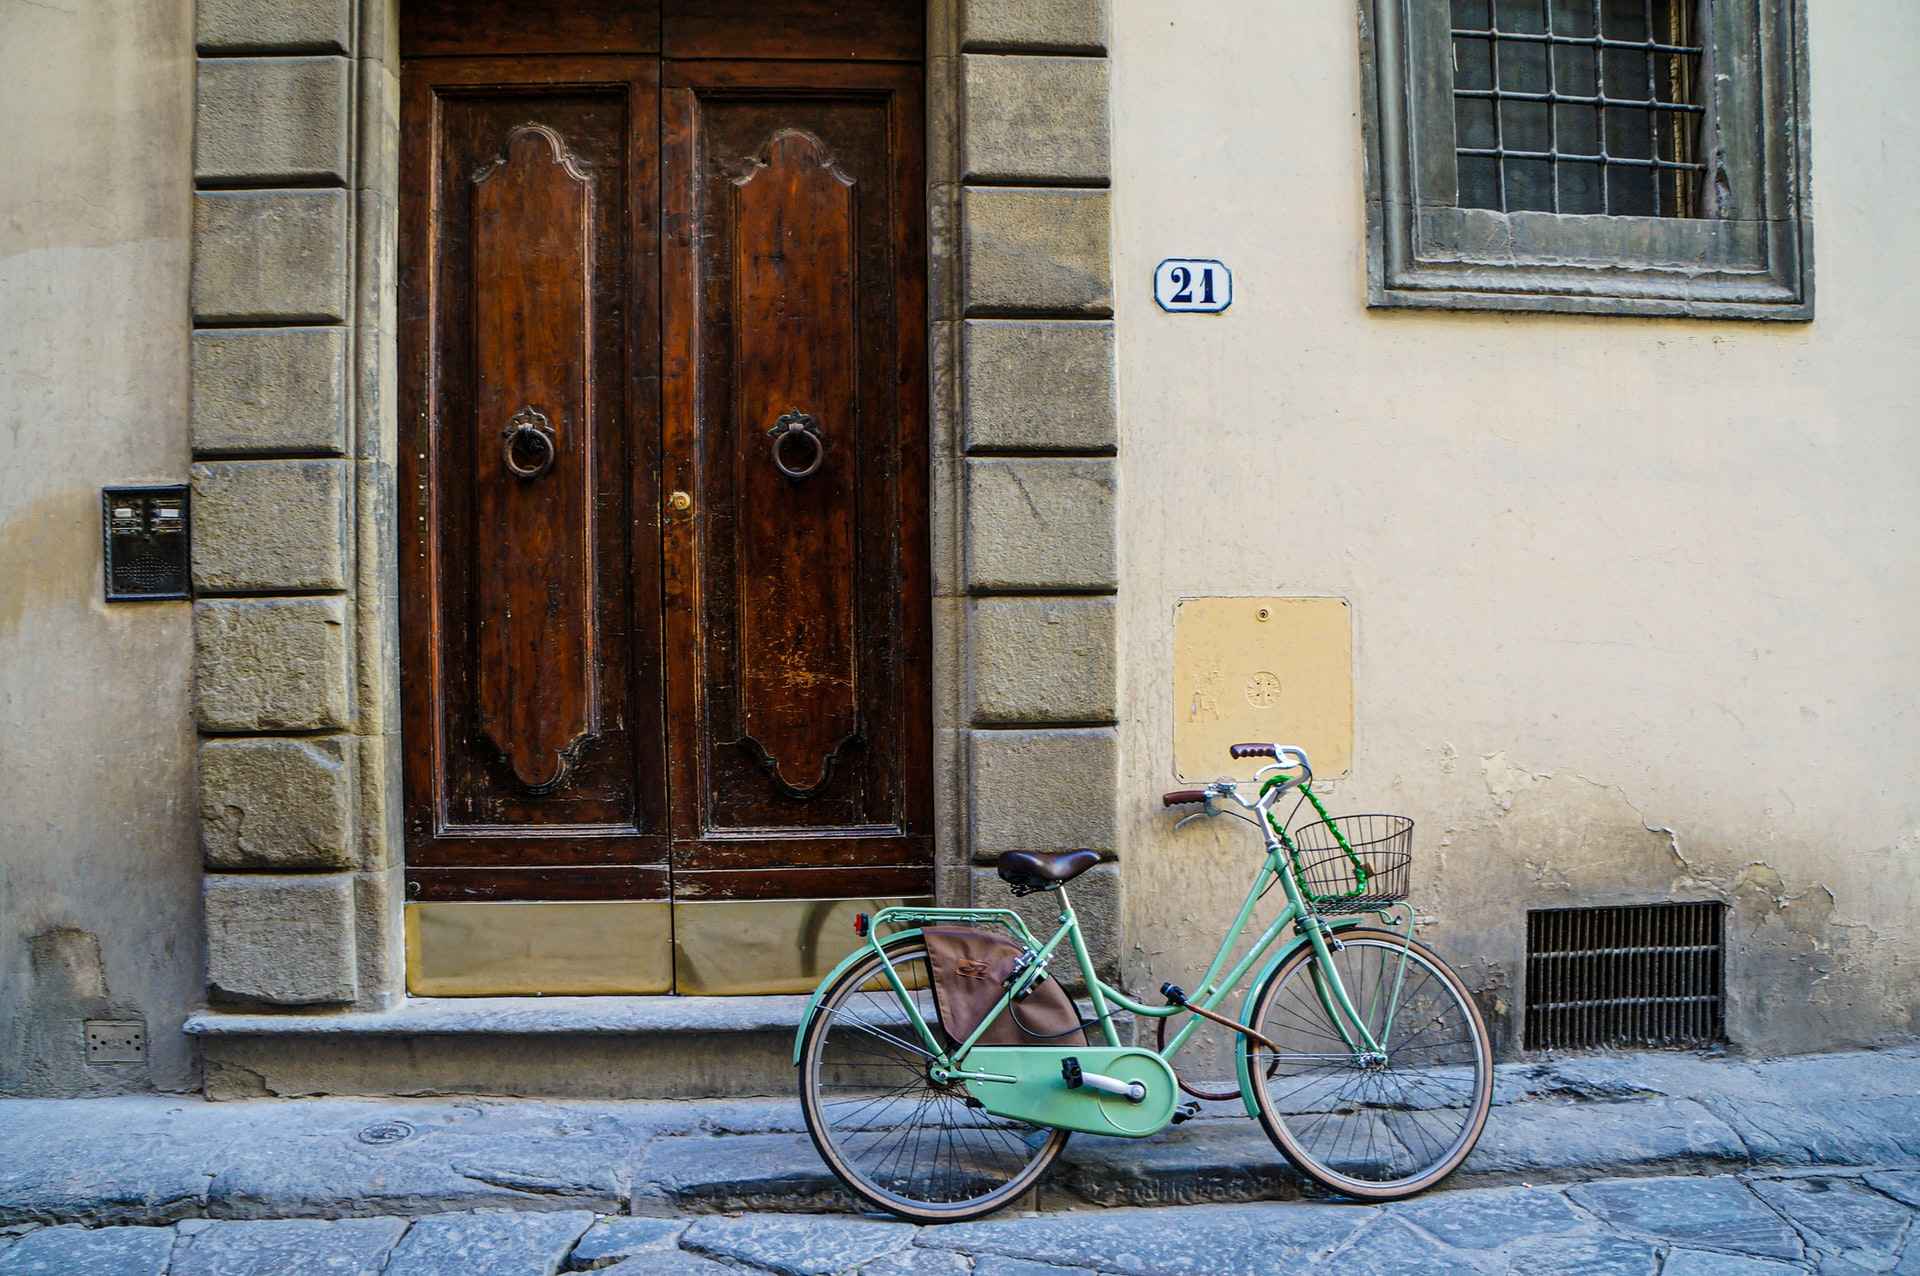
1363,876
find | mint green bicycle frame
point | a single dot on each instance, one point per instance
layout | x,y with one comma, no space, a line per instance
1311,929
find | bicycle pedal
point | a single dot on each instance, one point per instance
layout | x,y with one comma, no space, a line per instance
1186,1112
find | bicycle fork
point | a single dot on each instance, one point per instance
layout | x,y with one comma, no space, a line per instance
1332,992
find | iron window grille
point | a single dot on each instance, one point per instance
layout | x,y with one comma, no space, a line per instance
1636,975
1577,106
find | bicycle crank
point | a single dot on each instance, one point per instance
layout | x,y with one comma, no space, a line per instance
1075,1076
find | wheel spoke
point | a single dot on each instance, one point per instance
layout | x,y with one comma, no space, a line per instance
1381,1124
895,1136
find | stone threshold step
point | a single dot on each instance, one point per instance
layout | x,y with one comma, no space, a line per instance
549,1047
545,1047
515,1016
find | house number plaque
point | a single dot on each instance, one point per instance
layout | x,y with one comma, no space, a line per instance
1193,285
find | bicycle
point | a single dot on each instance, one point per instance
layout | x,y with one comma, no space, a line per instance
1359,1050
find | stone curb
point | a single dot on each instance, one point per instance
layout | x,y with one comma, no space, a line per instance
161,1159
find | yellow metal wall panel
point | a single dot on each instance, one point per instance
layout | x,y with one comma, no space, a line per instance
1261,669
737,947
562,948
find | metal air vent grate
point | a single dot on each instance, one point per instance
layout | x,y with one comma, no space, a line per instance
1638,975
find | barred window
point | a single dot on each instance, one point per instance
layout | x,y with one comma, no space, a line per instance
1577,106
1599,156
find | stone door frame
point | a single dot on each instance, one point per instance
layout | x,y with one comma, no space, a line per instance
296,665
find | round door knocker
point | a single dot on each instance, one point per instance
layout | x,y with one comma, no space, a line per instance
797,425
530,449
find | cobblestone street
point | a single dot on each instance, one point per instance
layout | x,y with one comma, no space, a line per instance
1676,1164
1829,1221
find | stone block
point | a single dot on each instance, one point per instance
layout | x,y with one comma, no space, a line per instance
270,390
380,940
1042,660
1048,789
1493,1218
287,940
943,112
488,1241
378,772
1536,1142
264,121
1096,902
1220,1240
795,1243
1041,524
376,391
1038,119
77,1251
284,804
270,255
273,26
378,123
263,526
376,602
944,251
1713,1213
612,1240
744,1172
1038,385
271,664
253,1247
947,518
1036,252
1078,26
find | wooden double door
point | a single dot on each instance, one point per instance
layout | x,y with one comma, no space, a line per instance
664,613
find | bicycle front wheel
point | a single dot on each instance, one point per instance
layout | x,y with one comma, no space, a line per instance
924,1150
1374,1125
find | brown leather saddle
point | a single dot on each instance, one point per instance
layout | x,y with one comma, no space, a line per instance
1030,871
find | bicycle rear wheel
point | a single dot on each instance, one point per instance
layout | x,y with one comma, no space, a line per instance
899,1140
1377,1127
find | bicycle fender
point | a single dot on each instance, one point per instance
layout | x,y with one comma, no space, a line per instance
833,977
1253,995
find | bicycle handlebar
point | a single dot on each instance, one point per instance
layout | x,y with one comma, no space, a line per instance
1278,752
1287,757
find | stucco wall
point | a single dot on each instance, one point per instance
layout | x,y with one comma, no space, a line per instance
1609,576
99,874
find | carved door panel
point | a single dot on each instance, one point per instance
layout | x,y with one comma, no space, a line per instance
531,612
794,412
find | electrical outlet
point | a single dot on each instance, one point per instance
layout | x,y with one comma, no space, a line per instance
116,1041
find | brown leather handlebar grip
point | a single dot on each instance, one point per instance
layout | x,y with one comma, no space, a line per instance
1252,751
1183,797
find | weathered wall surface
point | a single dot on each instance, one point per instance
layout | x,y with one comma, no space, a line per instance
99,872
1610,577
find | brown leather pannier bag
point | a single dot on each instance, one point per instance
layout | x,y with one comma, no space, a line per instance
970,971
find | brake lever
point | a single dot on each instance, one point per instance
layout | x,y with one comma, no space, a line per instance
1208,810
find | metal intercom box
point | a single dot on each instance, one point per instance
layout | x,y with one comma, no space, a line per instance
148,543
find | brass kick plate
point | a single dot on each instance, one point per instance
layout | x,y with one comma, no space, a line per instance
561,948
739,947
626,947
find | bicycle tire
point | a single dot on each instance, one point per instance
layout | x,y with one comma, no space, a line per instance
1426,1079
943,1111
